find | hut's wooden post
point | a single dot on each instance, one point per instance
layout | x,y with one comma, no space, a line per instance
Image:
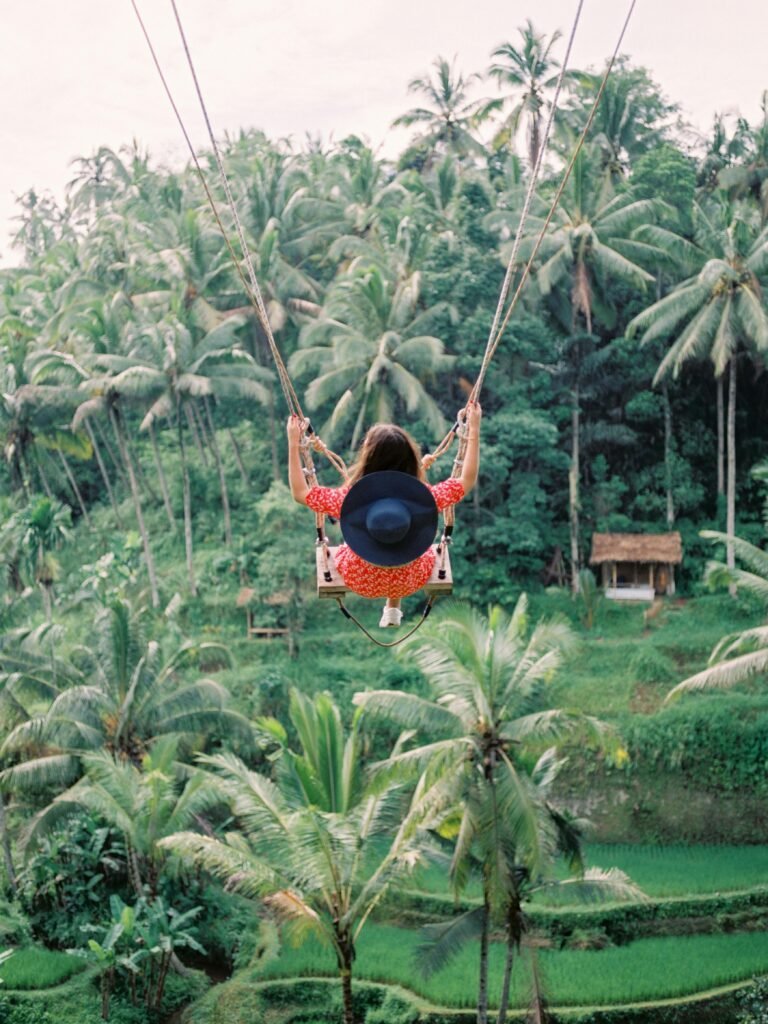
671,584
613,575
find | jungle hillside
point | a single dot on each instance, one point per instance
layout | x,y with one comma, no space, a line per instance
219,801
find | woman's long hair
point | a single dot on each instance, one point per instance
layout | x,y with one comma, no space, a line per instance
386,446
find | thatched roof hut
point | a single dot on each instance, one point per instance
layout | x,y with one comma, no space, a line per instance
637,565
637,547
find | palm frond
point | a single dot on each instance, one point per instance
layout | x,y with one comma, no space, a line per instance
440,943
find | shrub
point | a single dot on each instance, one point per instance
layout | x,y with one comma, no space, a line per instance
394,1009
721,741
649,665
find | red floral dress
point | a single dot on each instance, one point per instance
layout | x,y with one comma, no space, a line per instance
373,580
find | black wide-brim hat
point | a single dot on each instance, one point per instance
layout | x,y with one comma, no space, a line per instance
389,518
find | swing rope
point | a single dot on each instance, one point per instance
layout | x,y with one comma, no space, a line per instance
512,262
459,429
252,289
494,339
392,643
310,441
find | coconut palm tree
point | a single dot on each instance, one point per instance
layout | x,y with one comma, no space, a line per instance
477,729
632,117
318,844
738,657
145,802
361,185
449,119
370,355
532,72
121,694
717,314
507,910
169,369
590,244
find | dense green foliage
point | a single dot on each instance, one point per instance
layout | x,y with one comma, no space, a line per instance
166,782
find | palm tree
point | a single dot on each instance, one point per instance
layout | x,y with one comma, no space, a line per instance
738,657
31,535
104,399
532,72
477,730
361,185
498,842
98,180
319,844
121,694
144,802
168,369
632,117
34,423
590,244
450,116
718,313
369,353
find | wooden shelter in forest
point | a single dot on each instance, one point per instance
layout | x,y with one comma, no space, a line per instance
637,566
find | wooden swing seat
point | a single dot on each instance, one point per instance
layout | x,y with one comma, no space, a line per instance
337,588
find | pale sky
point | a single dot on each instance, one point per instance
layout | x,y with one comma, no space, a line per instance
77,75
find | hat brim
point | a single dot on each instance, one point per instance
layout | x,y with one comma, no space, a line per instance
389,484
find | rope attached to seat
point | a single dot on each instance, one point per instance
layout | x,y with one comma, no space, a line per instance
252,289
494,339
380,643
311,441
498,328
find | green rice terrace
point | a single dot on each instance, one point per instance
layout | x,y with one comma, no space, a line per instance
235,791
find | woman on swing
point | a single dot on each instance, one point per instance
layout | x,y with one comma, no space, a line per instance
390,518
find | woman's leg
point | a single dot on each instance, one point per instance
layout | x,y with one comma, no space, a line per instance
391,614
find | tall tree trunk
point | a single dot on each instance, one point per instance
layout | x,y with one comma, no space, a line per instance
73,484
220,470
161,478
187,499
133,872
573,489
41,474
141,476
195,434
535,139
45,590
730,516
720,437
482,983
506,980
107,981
103,471
201,426
116,462
345,956
5,842
239,459
668,451
128,464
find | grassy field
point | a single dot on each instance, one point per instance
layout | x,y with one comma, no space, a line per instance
624,666
661,871
645,970
36,968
